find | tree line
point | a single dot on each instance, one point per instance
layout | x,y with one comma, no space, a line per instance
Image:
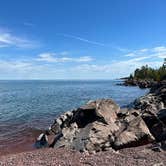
148,73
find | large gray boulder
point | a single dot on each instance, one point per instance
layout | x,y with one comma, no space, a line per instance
134,133
99,125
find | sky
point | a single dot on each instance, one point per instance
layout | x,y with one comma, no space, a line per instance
80,39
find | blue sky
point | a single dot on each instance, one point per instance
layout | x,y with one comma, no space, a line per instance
80,39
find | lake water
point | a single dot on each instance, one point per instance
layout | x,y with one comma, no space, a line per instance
27,107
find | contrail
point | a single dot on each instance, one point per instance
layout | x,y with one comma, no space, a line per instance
82,39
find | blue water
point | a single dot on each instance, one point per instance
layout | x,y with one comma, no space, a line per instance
26,105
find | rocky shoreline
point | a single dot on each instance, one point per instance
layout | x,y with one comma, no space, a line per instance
101,133
101,125
140,83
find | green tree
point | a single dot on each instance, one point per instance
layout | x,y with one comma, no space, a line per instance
149,73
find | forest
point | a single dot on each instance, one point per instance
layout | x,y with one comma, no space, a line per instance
148,73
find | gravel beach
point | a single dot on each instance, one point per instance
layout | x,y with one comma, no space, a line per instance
142,155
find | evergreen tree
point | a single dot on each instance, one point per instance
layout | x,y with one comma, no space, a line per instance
149,73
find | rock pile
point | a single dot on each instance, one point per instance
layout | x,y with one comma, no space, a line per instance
101,125
153,110
97,126
140,83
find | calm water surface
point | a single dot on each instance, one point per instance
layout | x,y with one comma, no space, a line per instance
26,107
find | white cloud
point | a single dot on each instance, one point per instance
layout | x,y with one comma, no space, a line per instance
116,69
83,59
119,66
14,66
48,57
31,69
144,50
52,57
155,52
137,59
159,49
9,40
28,70
161,55
159,52
132,54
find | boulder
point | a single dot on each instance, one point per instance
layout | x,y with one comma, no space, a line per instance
90,125
134,133
41,141
153,110
99,125
162,115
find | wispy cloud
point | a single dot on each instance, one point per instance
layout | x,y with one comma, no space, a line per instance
132,54
7,39
155,52
52,58
28,70
10,65
121,49
48,65
159,49
48,69
144,50
82,39
115,69
119,66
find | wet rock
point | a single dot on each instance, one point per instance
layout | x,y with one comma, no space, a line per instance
42,141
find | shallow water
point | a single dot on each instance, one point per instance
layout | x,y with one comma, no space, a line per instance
27,107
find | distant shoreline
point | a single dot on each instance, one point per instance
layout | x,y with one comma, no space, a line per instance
141,83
